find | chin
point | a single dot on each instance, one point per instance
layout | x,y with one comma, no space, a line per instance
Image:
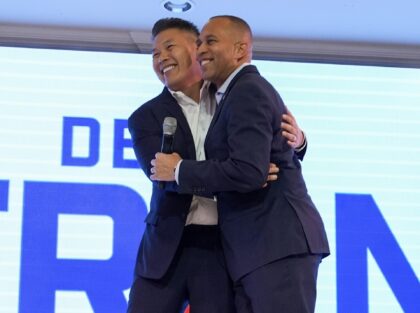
206,76
169,83
172,86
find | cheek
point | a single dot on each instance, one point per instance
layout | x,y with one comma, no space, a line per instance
219,63
158,74
188,60
156,68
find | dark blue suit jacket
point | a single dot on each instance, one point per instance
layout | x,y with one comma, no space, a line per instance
258,225
168,209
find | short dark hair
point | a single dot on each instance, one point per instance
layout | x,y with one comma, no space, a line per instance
239,22
173,22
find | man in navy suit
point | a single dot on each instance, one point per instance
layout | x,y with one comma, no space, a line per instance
273,238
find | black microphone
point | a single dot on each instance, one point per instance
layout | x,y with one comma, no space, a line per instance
169,128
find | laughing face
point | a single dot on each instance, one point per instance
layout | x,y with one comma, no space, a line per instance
175,59
219,52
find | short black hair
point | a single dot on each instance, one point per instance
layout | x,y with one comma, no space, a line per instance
173,22
239,22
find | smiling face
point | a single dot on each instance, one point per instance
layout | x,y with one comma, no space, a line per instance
222,49
175,59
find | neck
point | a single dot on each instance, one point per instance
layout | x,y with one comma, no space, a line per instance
193,91
228,73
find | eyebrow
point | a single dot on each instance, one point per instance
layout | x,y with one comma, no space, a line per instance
207,37
167,41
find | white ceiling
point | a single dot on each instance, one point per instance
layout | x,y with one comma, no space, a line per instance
289,27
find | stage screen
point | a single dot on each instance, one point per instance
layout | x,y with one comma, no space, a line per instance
73,201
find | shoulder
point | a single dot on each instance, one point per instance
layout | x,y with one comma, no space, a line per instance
152,106
251,88
250,79
252,83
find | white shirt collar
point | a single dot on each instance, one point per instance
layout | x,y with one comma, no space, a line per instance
220,92
179,95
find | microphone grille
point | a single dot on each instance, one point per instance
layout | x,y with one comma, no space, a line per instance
169,125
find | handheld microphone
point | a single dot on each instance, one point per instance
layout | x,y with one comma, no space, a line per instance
169,128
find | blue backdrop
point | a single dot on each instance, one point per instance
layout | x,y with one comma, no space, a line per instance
73,201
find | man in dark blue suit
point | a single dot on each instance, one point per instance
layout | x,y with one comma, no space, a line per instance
273,238
180,257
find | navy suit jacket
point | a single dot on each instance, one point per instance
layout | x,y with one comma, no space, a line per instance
258,225
168,209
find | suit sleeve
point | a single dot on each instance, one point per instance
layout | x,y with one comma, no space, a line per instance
146,136
248,115
301,154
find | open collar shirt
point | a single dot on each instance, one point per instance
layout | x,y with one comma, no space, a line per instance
203,211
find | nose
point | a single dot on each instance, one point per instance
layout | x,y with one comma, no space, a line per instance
162,57
201,49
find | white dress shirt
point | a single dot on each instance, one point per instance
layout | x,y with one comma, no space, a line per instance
203,211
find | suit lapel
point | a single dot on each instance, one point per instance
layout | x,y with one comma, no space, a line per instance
245,70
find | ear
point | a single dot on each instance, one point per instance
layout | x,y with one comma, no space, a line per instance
241,50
